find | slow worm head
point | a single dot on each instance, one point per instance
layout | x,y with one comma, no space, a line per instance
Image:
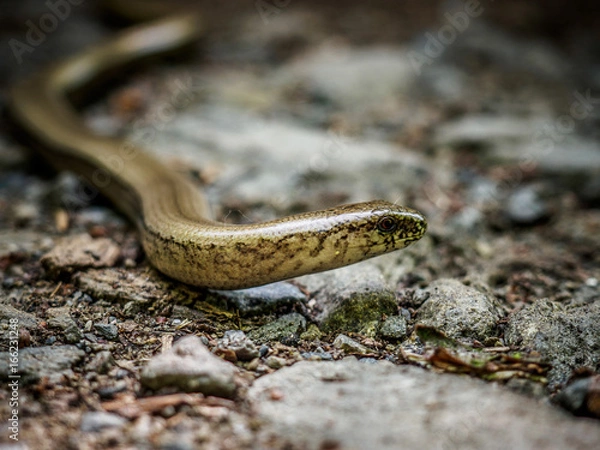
177,235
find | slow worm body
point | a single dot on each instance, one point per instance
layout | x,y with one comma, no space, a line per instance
170,213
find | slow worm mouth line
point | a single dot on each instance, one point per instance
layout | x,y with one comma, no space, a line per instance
170,213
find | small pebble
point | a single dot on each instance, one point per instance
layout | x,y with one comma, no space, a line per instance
101,363
95,421
108,331
240,344
275,362
581,397
394,328
349,345
526,207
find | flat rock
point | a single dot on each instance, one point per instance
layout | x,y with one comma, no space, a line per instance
286,329
79,252
38,362
24,319
122,285
348,404
567,337
340,73
460,311
351,298
189,366
95,421
267,162
259,300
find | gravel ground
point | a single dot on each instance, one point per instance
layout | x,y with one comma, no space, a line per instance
484,334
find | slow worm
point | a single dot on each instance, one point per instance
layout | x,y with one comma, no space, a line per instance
170,213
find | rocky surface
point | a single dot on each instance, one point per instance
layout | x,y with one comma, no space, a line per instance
381,405
491,130
569,338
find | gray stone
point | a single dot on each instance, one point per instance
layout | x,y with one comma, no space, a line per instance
340,73
568,338
61,318
349,345
394,328
239,343
318,355
526,207
460,311
107,330
346,404
189,366
484,130
94,421
259,300
351,298
578,397
38,362
286,329
24,319
468,219
270,161
509,139
101,363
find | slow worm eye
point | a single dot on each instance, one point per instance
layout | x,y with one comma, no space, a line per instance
387,224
